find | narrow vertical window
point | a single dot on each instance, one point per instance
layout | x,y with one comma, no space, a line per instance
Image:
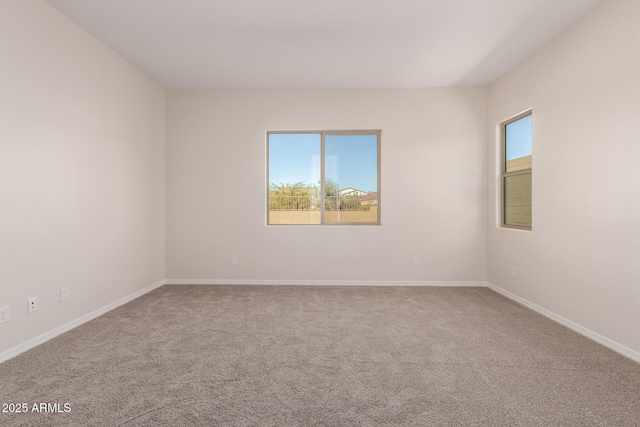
517,149
329,177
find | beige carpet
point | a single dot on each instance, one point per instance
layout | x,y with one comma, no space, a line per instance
303,356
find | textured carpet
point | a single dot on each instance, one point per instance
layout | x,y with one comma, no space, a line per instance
303,356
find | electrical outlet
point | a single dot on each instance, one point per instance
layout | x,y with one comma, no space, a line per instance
514,271
5,314
234,261
64,294
32,305
416,261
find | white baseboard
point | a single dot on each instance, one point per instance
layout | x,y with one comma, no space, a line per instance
618,348
21,348
318,282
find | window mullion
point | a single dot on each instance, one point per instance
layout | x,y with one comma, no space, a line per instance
322,177
518,172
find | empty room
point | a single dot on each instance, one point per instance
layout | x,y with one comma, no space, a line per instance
296,212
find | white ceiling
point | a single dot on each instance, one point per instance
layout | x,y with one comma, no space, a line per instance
324,43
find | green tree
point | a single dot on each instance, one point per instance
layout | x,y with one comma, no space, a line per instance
297,196
350,203
331,188
331,195
333,201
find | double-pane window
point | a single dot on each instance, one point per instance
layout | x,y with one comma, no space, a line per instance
323,177
517,169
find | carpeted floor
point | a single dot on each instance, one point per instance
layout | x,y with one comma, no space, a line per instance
334,356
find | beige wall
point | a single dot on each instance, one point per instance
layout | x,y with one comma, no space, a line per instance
81,172
519,163
314,217
518,193
581,259
518,200
432,194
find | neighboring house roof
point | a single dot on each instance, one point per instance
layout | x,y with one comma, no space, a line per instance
351,192
368,197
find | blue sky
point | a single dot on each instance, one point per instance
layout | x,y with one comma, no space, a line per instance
519,138
351,160
294,158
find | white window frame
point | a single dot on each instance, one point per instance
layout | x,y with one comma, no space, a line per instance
323,133
504,174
